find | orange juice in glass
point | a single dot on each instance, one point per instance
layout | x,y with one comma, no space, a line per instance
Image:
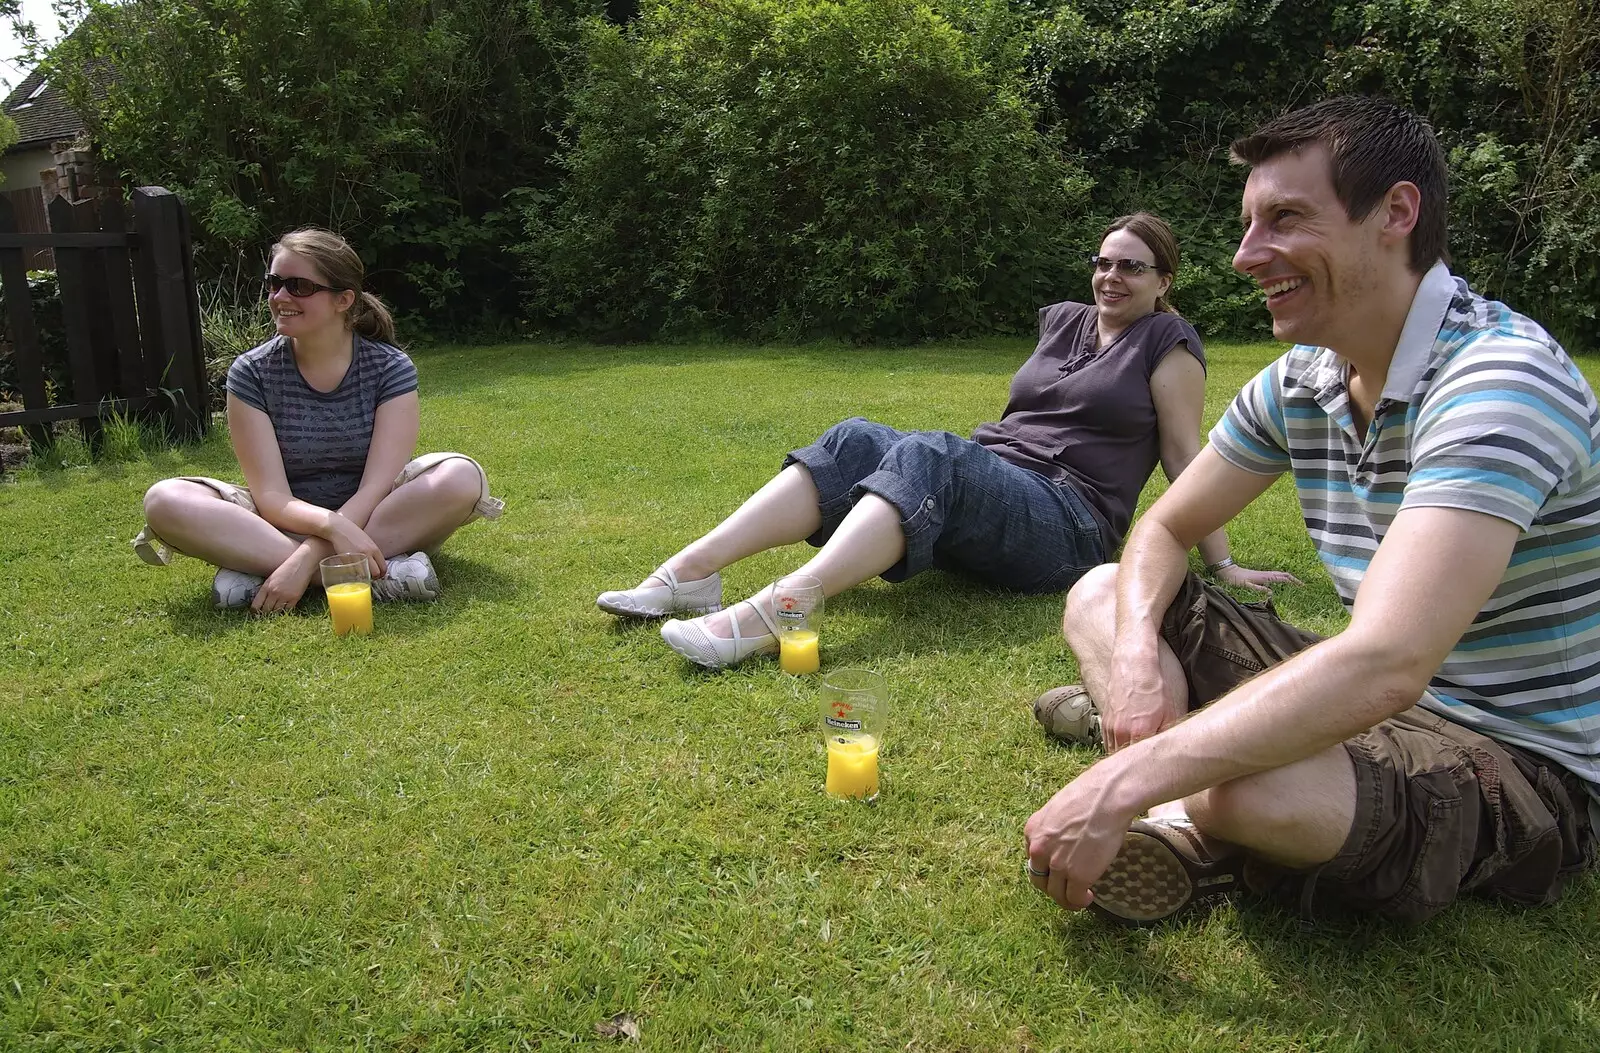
347,579
855,708
797,605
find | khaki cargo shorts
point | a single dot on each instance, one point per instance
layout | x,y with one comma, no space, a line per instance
158,553
1441,810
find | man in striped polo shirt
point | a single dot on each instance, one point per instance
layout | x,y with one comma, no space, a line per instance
1444,449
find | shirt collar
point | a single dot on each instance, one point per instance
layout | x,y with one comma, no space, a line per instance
1420,333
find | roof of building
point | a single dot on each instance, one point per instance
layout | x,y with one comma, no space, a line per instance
41,111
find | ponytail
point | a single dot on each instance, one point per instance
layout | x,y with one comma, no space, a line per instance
370,318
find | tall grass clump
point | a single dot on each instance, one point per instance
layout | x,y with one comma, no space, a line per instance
230,325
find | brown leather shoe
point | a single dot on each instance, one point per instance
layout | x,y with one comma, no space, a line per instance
1068,713
1165,868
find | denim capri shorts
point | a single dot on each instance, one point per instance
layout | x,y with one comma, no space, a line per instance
963,507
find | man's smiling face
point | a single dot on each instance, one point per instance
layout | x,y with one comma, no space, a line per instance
1315,265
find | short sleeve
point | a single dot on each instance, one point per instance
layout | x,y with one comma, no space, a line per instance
244,381
398,375
1170,331
1504,426
1251,434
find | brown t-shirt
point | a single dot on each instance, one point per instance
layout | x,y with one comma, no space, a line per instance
1083,414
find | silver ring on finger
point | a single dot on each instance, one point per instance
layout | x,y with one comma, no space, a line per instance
1037,873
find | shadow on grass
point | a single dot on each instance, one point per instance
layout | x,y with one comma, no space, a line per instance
1320,971
939,612
193,617
463,579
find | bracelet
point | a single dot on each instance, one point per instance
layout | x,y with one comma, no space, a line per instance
1221,564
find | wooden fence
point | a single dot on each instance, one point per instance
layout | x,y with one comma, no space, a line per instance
27,204
129,310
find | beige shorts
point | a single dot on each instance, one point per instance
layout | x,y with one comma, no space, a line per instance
158,553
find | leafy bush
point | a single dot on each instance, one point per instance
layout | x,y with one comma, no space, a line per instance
862,168
229,326
873,169
1152,91
1514,88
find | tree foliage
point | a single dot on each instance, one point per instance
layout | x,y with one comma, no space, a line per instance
402,124
867,168
1152,91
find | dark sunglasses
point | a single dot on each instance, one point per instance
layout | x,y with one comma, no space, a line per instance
1131,268
299,288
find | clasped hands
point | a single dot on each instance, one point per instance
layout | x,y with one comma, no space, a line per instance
286,585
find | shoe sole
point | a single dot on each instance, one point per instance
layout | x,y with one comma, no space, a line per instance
1150,882
622,611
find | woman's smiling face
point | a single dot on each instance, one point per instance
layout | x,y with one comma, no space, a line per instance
1125,298
302,315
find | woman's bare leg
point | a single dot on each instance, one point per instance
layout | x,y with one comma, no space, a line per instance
869,541
787,509
194,519
423,512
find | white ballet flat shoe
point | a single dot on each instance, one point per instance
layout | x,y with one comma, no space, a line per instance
692,640
702,596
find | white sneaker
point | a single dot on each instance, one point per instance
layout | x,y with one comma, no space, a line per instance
701,596
696,643
407,578
233,588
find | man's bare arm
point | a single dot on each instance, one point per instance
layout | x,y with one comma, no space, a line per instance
1433,573
1200,501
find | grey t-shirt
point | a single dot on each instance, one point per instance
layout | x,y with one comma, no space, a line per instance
1083,414
323,436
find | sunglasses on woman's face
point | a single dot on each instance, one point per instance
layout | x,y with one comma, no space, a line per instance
1131,268
299,288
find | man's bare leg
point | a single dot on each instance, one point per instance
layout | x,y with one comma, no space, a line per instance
1298,815
1089,625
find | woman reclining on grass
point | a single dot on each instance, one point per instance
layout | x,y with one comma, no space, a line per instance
323,418
1029,503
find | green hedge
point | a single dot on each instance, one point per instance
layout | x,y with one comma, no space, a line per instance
1152,91
861,168
401,124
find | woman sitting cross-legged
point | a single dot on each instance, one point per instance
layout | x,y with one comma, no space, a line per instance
323,418
1029,503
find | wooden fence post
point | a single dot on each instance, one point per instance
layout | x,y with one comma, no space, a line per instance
169,309
130,315
72,271
131,380
24,330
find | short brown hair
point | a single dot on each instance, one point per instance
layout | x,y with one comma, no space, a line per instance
343,269
1372,145
1155,233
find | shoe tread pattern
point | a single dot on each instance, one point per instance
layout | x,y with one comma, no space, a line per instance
1147,882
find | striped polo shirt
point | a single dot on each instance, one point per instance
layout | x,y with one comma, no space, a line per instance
1481,410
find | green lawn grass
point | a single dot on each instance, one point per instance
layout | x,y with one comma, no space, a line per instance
506,817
